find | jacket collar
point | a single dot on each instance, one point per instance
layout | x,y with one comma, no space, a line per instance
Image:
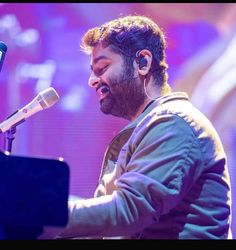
159,101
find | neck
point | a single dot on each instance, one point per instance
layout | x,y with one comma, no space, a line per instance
152,92
141,109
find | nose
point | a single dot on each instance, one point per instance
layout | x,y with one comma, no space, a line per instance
93,80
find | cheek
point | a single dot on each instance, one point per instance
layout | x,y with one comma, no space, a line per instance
113,76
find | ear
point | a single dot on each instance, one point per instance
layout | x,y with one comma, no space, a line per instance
143,61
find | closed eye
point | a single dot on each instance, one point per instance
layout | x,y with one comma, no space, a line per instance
100,71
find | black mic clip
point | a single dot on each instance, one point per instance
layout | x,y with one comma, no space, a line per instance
10,134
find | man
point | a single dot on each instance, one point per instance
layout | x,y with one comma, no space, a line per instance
164,176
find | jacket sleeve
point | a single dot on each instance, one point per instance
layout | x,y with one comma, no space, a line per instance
163,160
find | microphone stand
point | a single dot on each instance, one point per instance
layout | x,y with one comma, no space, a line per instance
8,139
10,134
18,232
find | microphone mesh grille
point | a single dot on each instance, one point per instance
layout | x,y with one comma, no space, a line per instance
48,97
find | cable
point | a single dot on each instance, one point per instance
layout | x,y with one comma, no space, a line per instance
145,90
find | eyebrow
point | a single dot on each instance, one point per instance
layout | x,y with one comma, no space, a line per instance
97,59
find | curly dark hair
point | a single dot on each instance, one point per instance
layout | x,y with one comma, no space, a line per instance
125,36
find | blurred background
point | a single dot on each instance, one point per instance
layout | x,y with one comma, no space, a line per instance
43,41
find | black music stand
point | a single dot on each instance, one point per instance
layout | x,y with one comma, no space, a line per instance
33,193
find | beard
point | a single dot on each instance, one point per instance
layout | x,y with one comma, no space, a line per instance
126,95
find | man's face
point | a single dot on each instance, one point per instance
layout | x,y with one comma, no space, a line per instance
120,92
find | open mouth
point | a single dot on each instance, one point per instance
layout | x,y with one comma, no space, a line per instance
103,91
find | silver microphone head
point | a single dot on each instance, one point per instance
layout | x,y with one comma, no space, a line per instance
48,97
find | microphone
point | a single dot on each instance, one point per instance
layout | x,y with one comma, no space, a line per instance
3,50
45,99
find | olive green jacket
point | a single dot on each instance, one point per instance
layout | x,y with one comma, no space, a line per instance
164,176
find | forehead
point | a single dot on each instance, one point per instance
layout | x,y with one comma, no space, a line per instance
100,52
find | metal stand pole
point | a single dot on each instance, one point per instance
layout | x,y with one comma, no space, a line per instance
8,139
